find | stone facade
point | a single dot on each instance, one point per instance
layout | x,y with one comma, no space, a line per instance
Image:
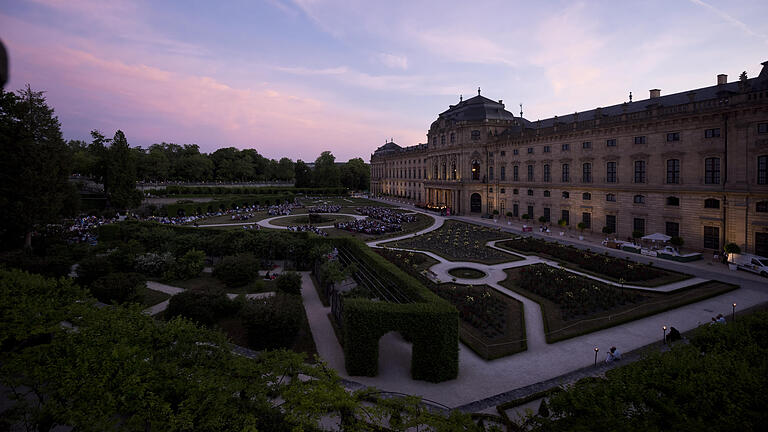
692,164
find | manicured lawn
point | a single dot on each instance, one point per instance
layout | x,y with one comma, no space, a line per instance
600,265
304,220
459,241
151,297
573,305
466,273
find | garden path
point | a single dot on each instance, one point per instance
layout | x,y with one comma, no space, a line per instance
172,291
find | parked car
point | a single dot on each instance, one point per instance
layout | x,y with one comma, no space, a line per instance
750,263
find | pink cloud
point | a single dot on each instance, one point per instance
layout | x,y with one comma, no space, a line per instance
152,104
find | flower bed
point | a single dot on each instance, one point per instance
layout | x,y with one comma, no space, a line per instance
459,241
576,296
602,265
592,306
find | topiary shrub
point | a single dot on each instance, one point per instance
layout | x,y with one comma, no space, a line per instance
237,270
118,287
607,230
289,283
732,248
677,241
273,322
203,307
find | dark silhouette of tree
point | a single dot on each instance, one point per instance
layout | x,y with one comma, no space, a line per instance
120,174
35,165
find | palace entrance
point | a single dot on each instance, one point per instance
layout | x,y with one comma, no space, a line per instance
475,203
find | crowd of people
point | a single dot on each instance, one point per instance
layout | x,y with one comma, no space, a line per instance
368,226
308,228
82,229
386,215
325,208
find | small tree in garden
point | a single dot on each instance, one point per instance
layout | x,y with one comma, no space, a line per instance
237,270
562,223
607,230
582,226
495,212
732,248
676,241
542,219
526,216
509,214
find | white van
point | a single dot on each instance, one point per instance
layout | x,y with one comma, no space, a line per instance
750,263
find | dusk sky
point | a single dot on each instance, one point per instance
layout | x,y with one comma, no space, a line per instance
294,78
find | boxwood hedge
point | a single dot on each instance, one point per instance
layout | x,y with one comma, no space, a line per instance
224,204
248,190
430,323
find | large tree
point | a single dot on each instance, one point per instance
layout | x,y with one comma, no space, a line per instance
120,174
326,173
302,174
355,174
34,167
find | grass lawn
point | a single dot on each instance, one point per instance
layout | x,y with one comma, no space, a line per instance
559,253
648,303
460,241
304,220
150,297
343,201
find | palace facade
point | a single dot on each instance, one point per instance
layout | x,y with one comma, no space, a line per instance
692,164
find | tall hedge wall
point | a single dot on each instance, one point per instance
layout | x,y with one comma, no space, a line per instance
430,323
247,190
215,205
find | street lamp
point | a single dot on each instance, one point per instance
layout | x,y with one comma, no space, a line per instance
664,338
733,312
596,350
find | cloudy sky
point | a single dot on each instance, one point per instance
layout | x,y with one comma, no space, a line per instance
296,77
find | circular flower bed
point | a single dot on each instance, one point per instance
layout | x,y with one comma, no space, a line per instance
466,273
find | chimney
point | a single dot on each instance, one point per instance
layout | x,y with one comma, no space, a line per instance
500,102
722,79
655,93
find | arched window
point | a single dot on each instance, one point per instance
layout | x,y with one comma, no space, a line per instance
711,203
445,175
453,137
566,195
434,172
673,201
639,199
475,170
610,197
546,193
586,196
453,170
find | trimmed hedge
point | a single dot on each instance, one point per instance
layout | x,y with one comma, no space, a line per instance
289,283
203,307
247,190
430,323
224,204
237,270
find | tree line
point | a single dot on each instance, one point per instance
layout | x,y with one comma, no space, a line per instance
185,163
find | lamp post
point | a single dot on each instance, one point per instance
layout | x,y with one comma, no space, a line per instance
733,312
664,337
596,350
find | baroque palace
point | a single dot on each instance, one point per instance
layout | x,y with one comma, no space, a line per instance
692,164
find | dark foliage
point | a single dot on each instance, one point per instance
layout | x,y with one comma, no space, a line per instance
118,287
273,322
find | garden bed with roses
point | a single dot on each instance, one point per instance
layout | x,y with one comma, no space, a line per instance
573,305
601,265
459,241
492,324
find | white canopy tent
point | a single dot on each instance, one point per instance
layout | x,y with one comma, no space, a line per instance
657,237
